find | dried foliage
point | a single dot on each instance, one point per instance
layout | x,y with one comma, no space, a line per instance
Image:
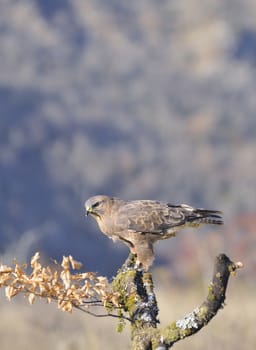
58,283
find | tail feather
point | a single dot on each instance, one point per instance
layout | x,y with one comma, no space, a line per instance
204,216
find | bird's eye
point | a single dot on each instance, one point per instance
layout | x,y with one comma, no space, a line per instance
95,205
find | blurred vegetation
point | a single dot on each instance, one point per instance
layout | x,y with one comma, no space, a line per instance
136,100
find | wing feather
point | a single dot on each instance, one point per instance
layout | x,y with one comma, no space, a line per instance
149,217
156,217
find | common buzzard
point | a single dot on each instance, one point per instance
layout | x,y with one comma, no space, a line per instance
140,223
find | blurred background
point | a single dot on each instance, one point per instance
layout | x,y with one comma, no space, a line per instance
139,100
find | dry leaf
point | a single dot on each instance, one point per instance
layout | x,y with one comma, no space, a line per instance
31,298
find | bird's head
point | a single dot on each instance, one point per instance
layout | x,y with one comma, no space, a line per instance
97,205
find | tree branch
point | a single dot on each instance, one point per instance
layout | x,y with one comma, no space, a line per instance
137,297
200,316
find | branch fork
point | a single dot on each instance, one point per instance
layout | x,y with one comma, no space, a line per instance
143,309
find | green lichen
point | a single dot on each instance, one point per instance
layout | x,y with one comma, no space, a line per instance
173,326
211,295
126,297
123,285
130,303
202,312
172,333
121,322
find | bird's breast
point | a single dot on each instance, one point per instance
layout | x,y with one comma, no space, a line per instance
105,226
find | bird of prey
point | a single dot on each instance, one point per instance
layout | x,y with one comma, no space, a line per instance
140,223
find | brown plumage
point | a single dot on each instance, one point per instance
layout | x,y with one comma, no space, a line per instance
140,223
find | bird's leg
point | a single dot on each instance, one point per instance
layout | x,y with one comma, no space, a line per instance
138,265
132,263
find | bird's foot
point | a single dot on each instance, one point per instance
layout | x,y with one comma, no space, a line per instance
138,266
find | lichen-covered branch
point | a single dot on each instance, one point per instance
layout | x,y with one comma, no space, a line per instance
137,297
200,316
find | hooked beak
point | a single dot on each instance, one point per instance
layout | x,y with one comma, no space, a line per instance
87,211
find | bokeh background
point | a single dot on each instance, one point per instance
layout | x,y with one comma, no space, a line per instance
135,99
